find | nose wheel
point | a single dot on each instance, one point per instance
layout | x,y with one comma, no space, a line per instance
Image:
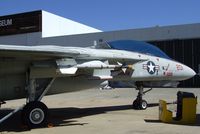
139,103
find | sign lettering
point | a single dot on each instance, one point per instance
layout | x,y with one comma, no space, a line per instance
6,22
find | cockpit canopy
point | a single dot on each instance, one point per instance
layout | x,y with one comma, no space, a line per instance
138,46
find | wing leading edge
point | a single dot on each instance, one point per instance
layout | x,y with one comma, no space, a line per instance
36,52
60,52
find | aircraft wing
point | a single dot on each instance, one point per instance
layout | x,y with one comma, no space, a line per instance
60,52
67,58
36,52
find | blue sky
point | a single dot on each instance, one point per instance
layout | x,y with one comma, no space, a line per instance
109,15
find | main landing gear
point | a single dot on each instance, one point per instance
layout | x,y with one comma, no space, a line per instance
139,103
35,113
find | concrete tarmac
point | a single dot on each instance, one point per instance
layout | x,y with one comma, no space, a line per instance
97,111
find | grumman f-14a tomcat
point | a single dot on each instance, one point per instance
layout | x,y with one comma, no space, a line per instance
34,71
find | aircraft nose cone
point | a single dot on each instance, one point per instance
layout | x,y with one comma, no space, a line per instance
189,72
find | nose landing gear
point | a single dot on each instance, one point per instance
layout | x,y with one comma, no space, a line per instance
139,103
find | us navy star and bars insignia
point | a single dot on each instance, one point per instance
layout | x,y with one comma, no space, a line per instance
151,67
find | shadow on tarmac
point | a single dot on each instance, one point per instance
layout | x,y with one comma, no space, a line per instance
66,117
58,117
156,104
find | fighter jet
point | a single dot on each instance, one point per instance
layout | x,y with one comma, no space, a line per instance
32,72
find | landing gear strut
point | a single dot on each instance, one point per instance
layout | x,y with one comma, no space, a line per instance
35,113
139,103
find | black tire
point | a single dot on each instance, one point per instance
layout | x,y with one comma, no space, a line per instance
35,114
135,104
140,105
143,105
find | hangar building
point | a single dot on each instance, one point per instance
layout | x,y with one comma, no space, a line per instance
180,42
